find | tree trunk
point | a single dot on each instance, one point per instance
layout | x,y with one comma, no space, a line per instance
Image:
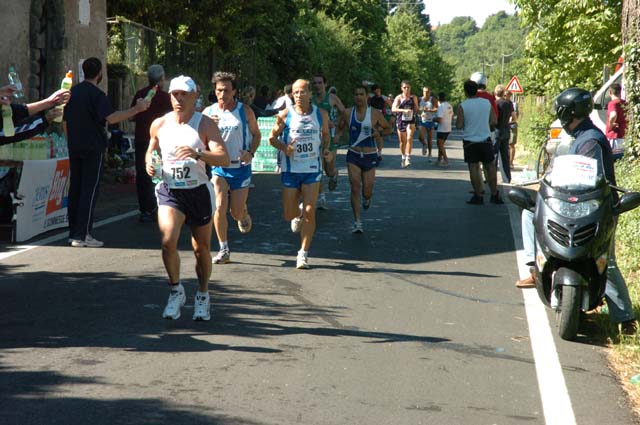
631,46
630,21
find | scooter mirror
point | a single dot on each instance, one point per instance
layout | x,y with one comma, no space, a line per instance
522,199
628,201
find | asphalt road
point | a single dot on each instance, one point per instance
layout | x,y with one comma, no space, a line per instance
416,321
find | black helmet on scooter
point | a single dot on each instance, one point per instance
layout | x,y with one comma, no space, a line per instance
573,103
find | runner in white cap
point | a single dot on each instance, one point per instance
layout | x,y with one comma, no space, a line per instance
188,142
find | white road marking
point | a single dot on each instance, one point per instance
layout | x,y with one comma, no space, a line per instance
19,249
556,402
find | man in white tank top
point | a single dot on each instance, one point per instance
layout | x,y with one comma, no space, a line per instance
188,142
240,132
476,117
301,133
366,126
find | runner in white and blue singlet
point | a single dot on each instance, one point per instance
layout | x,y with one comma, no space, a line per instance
301,133
428,107
188,142
366,125
241,134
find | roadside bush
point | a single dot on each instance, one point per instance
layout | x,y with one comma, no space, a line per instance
628,232
535,118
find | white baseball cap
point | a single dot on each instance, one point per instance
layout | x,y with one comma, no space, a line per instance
183,83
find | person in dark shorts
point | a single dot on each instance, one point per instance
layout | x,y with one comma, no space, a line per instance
475,117
188,142
366,124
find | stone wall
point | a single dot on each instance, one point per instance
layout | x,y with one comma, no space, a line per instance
45,38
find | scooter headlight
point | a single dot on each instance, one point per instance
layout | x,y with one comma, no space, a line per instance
573,209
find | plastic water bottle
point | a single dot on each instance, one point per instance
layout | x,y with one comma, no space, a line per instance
156,161
66,84
15,80
7,121
152,92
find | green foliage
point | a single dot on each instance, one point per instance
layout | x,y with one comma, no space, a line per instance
628,231
533,123
569,42
413,56
496,49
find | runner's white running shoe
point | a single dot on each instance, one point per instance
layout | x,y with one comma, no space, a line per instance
296,223
322,202
366,203
201,308
357,227
176,300
245,225
223,257
407,162
301,261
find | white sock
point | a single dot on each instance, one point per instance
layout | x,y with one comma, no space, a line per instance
301,252
224,246
202,294
177,287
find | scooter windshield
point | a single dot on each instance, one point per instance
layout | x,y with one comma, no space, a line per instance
575,172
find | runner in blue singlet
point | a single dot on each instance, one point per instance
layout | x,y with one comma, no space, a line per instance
366,126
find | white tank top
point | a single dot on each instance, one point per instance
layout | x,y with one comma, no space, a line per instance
426,116
476,119
361,132
304,131
181,174
234,130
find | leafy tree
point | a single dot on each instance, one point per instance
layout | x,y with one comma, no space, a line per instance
569,42
413,56
495,49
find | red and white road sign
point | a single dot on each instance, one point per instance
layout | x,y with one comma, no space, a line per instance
514,85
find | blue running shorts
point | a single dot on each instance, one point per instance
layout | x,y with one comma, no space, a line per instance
237,178
296,180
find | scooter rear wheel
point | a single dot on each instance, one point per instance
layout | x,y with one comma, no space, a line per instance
569,317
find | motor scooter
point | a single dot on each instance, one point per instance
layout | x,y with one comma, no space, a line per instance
575,216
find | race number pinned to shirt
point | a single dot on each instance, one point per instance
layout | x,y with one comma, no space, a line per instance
304,149
574,171
180,174
407,115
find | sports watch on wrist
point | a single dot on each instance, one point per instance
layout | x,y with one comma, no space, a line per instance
198,153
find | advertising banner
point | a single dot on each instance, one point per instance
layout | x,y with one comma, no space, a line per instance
43,192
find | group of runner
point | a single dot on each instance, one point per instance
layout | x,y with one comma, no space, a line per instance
224,139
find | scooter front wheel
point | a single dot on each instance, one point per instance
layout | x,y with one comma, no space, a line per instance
569,317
